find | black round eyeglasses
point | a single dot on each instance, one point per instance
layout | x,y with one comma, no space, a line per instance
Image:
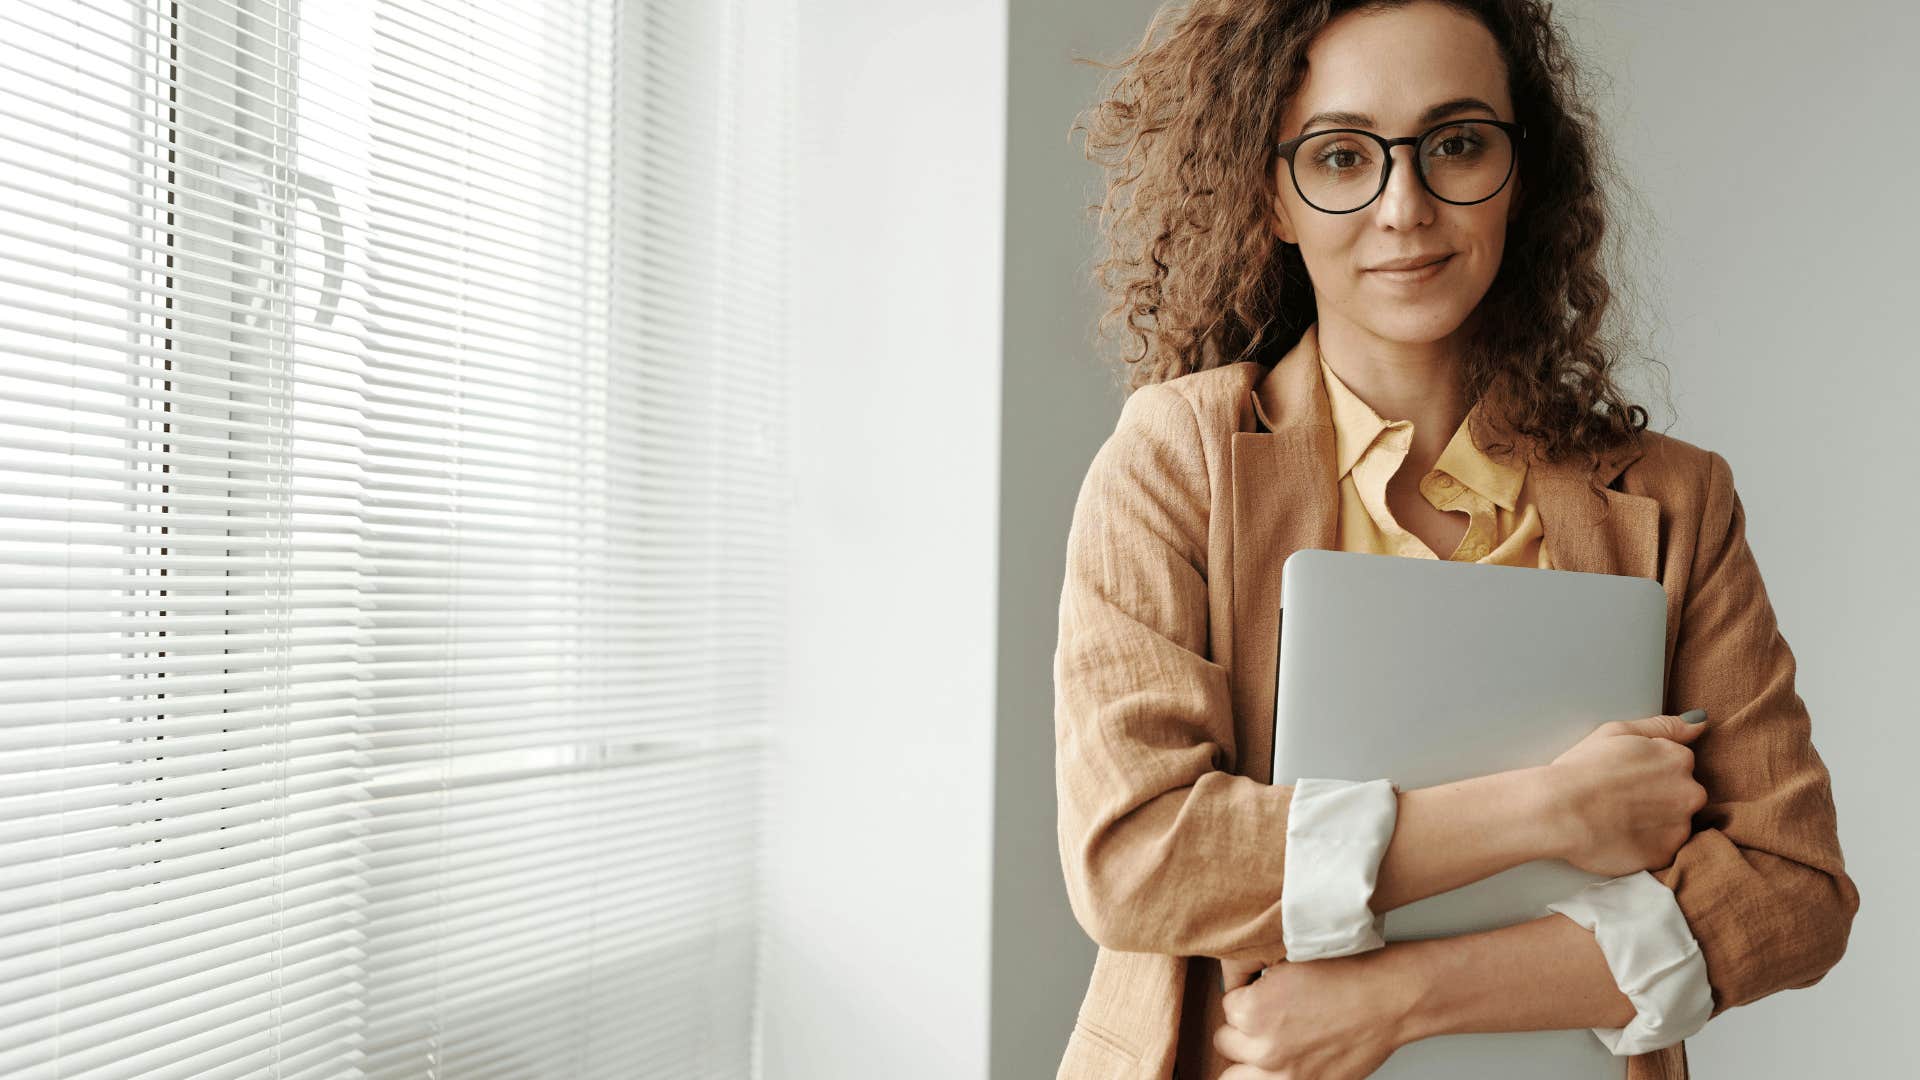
1341,170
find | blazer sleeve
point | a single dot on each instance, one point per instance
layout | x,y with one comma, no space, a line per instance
1762,882
1163,852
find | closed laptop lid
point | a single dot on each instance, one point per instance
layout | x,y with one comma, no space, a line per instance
1427,671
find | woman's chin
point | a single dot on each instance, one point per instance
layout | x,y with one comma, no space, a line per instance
1418,323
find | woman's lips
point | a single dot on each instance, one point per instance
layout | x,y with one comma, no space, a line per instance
1415,276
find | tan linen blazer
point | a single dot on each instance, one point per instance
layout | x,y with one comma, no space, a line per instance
1172,840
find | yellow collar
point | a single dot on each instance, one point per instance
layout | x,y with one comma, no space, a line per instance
1356,426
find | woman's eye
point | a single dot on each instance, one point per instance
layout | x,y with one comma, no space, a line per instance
1455,146
1340,158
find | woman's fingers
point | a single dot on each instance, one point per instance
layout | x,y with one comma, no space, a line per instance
1238,973
1233,1043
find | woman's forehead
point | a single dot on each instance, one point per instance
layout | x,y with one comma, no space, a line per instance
1398,67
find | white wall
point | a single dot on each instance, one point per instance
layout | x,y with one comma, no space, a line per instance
878,872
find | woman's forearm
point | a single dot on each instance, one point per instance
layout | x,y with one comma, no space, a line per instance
1543,974
1455,834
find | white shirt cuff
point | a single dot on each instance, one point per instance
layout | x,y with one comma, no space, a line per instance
1653,956
1337,833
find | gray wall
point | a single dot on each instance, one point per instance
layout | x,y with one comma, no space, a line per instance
1056,408
1775,153
1774,156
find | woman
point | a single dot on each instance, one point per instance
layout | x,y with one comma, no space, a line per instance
1361,253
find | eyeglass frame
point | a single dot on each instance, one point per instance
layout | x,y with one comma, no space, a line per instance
1516,134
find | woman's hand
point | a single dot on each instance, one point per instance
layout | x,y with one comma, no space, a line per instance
1332,1019
1626,794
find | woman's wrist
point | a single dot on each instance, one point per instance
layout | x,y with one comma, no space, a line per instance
1410,989
1545,973
1547,819
1450,835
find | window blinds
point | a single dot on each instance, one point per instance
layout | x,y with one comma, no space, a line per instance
390,525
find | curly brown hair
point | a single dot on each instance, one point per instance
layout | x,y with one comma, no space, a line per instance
1186,134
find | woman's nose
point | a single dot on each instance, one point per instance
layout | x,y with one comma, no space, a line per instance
1406,201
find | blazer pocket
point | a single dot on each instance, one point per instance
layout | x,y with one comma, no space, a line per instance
1093,1054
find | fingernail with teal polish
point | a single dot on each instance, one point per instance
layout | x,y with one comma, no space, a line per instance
1694,716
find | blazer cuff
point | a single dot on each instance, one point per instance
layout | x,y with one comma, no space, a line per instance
1337,833
1653,956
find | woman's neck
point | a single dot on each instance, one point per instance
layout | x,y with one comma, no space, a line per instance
1400,380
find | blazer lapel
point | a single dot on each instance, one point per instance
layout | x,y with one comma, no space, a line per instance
1620,537
1286,498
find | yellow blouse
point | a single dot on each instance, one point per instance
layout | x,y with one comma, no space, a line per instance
1505,526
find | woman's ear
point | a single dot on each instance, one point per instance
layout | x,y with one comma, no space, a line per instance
1282,224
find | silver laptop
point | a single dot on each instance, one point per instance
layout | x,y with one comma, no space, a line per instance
1427,671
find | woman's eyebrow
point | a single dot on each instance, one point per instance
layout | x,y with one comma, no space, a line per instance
1338,118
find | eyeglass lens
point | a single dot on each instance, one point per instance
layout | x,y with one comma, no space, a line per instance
1464,162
